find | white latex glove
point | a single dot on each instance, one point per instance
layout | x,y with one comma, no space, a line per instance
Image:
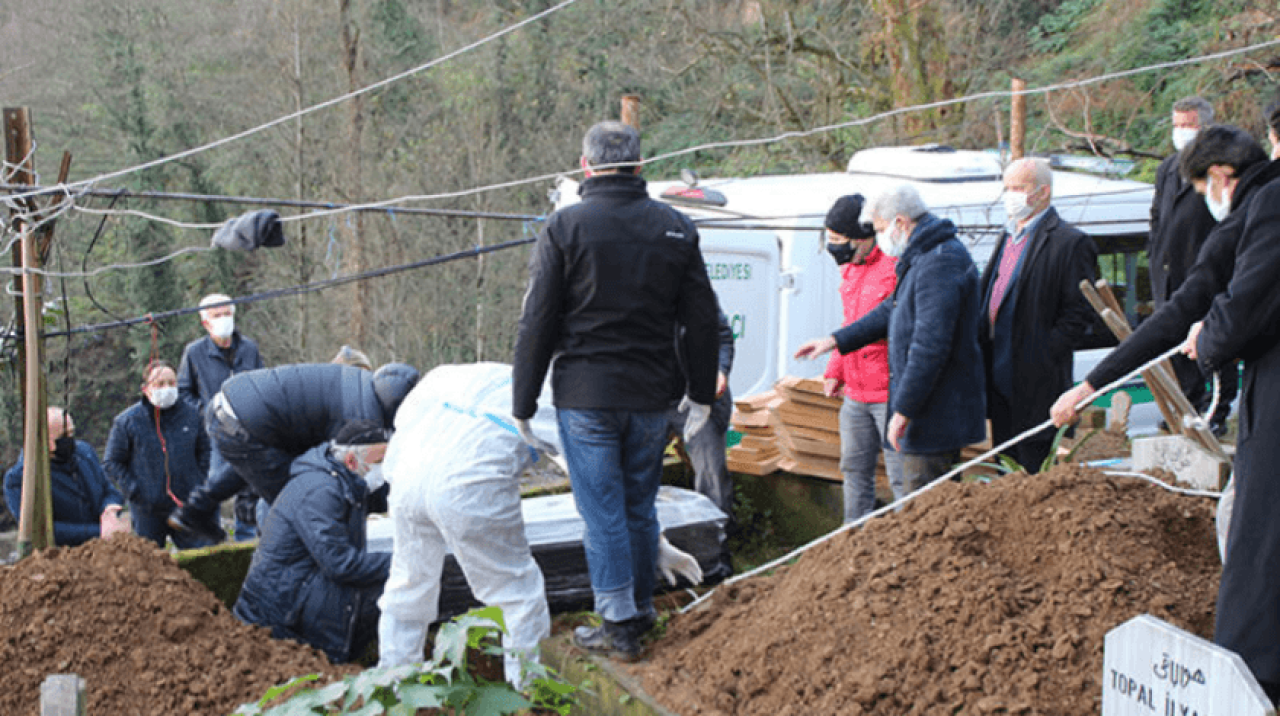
696,419
672,563
533,441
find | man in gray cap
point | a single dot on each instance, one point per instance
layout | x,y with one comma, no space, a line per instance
262,420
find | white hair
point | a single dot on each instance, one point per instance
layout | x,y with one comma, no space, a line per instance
1041,171
215,298
900,200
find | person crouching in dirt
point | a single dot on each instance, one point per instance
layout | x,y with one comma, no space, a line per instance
85,503
263,419
312,578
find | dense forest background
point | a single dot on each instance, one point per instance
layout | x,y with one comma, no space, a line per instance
124,82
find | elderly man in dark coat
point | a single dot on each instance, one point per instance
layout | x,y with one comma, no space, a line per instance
1233,280
313,578
264,419
1180,222
85,504
1034,313
937,398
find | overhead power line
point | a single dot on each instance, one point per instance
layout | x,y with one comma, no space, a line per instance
299,289
317,107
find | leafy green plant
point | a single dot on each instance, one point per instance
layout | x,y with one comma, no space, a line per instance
444,682
1007,465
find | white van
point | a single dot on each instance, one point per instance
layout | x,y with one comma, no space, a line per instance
764,245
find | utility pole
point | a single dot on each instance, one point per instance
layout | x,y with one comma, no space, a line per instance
35,524
1018,121
630,113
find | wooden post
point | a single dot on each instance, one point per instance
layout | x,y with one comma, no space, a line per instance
35,523
631,110
1018,121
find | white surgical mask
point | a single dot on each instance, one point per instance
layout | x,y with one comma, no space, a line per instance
164,398
1016,206
1218,209
222,326
1182,136
888,241
374,479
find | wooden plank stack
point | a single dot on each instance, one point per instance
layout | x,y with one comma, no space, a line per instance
793,427
756,453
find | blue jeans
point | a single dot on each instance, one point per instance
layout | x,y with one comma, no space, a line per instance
707,452
156,529
615,468
862,428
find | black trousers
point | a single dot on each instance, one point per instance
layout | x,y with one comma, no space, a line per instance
1031,451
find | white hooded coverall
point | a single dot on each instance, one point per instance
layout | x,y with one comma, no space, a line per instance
454,465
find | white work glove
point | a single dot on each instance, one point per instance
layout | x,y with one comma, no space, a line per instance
672,563
533,441
696,419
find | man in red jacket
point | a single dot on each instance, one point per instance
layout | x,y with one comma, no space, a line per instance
868,277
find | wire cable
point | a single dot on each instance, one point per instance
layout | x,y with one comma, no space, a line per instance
316,107
299,289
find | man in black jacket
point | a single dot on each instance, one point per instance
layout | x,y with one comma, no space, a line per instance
1180,221
262,420
313,578
1233,281
206,364
610,280
1034,315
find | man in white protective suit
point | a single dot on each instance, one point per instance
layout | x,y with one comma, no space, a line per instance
454,464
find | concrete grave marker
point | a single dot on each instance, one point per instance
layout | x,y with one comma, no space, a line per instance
1151,667
1179,455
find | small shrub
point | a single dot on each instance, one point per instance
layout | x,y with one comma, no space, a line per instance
444,682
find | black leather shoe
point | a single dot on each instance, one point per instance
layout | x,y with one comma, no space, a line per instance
616,640
201,524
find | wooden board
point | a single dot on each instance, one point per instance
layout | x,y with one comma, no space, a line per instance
808,416
763,467
755,402
827,469
765,431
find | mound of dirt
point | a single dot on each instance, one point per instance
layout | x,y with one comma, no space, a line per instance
146,637
974,599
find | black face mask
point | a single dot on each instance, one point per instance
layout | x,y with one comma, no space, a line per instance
63,448
842,253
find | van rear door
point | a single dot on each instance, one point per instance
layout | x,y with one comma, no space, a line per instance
744,269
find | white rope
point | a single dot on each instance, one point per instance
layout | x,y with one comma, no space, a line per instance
970,98
151,217
1161,483
314,108
944,478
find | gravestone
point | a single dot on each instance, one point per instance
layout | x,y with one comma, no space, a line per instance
1178,454
1151,667
62,695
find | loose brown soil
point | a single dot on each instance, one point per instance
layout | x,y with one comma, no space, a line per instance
975,599
1099,445
146,637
